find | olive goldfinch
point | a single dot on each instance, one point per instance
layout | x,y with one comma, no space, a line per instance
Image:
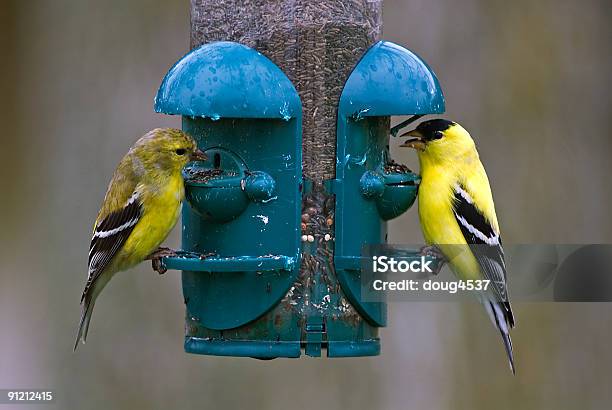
456,208
140,208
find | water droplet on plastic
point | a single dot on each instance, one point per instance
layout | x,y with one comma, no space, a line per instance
358,116
284,111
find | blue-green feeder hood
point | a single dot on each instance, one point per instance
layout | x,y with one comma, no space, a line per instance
227,80
391,80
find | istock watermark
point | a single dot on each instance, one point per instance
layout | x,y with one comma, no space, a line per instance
533,273
384,264
452,287
26,396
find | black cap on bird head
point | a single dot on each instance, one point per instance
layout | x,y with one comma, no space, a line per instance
425,132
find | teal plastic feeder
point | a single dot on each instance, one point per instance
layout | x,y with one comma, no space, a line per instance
370,187
244,204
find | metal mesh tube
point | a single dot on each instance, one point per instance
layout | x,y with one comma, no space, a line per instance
315,42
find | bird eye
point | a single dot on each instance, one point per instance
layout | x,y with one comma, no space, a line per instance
180,151
437,135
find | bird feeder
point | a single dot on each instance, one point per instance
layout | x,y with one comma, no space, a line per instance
242,239
370,188
242,204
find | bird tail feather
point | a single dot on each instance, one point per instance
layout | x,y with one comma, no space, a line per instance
502,317
88,305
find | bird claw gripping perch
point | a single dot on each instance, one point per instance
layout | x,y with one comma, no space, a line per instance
434,252
159,265
156,259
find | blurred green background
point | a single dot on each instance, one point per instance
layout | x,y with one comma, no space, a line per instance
531,82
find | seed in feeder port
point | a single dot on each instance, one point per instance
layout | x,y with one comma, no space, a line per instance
310,238
305,217
327,237
203,175
303,226
304,238
329,222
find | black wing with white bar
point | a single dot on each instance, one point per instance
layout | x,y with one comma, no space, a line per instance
109,235
487,244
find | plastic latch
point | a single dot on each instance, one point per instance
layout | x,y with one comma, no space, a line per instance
315,328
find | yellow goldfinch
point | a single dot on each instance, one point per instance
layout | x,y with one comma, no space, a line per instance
141,206
456,208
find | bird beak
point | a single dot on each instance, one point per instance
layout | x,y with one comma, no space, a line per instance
416,142
198,155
